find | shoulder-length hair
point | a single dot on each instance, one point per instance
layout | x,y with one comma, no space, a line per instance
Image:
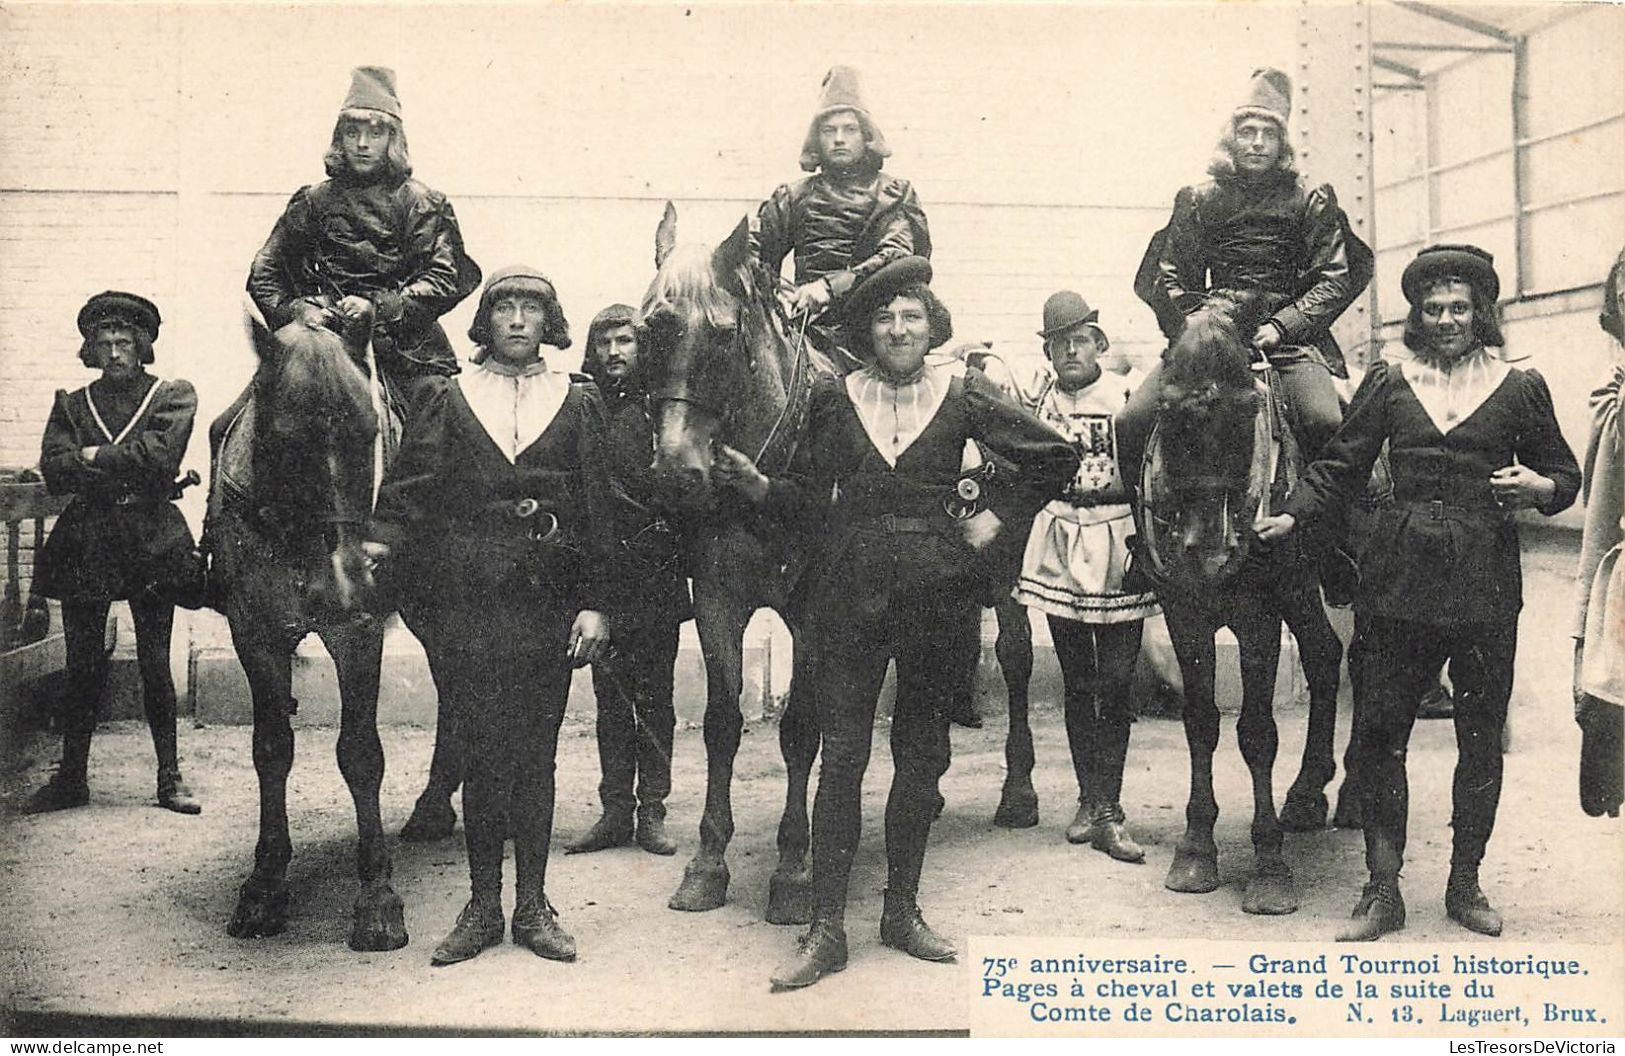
1222,166
143,344
937,316
397,160
1486,316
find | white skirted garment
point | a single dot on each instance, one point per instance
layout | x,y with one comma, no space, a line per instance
1078,549
1602,571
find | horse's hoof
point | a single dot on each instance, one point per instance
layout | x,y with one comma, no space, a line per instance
262,910
1270,894
704,887
379,923
1018,806
432,819
1304,812
1193,872
789,895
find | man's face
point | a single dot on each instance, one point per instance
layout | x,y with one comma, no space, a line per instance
901,334
365,144
517,323
1075,355
116,352
840,140
617,350
1258,145
1447,319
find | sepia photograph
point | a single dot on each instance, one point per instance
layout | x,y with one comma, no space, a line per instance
926,517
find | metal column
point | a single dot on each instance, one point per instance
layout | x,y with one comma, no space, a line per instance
1332,119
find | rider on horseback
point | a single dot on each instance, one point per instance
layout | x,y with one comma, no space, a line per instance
843,223
1258,229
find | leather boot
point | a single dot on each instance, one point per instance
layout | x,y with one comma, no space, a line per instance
63,791
902,927
174,795
536,928
820,952
1379,911
1082,829
652,835
1464,902
479,927
1111,837
610,830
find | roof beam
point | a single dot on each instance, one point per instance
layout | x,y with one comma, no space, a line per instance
1398,45
1472,25
1396,67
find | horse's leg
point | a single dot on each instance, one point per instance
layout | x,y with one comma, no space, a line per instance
720,621
789,891
432,815
357,651
1258,634
262,902
1321,654
1195,868
1018,802
1349,814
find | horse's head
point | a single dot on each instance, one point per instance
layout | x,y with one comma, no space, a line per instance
1207,471
705,330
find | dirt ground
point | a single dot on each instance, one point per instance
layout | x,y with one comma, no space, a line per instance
120,909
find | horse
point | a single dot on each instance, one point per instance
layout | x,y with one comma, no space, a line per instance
1221,454
294,480
723,367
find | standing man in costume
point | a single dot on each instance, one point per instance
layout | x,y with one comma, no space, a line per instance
1074,572
369,240
116,445
1471,440
895,577
633,683
1259,232
497,504
844,222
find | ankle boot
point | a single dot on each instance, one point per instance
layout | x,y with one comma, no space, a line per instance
1082,829
536,928
610,830
63,791
820,952
1111,837
479,927
652,835
1464,902
1380,910
174,795
903,927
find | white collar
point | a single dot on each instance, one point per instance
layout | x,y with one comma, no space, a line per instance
1451,394
513,407
894,415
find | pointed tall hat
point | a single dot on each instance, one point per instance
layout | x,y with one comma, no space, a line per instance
1269,94
373,88
841,91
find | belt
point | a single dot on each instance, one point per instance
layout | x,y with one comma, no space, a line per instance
523,517
1439,510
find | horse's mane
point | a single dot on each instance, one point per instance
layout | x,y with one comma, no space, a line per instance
1208,370
687,278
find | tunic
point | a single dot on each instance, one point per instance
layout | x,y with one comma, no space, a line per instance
121,534
1442,553
1078,548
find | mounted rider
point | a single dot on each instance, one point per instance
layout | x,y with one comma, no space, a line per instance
844,222
369,237
1259,233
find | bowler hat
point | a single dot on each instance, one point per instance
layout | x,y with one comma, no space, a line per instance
1458,261
1064,310
118,306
